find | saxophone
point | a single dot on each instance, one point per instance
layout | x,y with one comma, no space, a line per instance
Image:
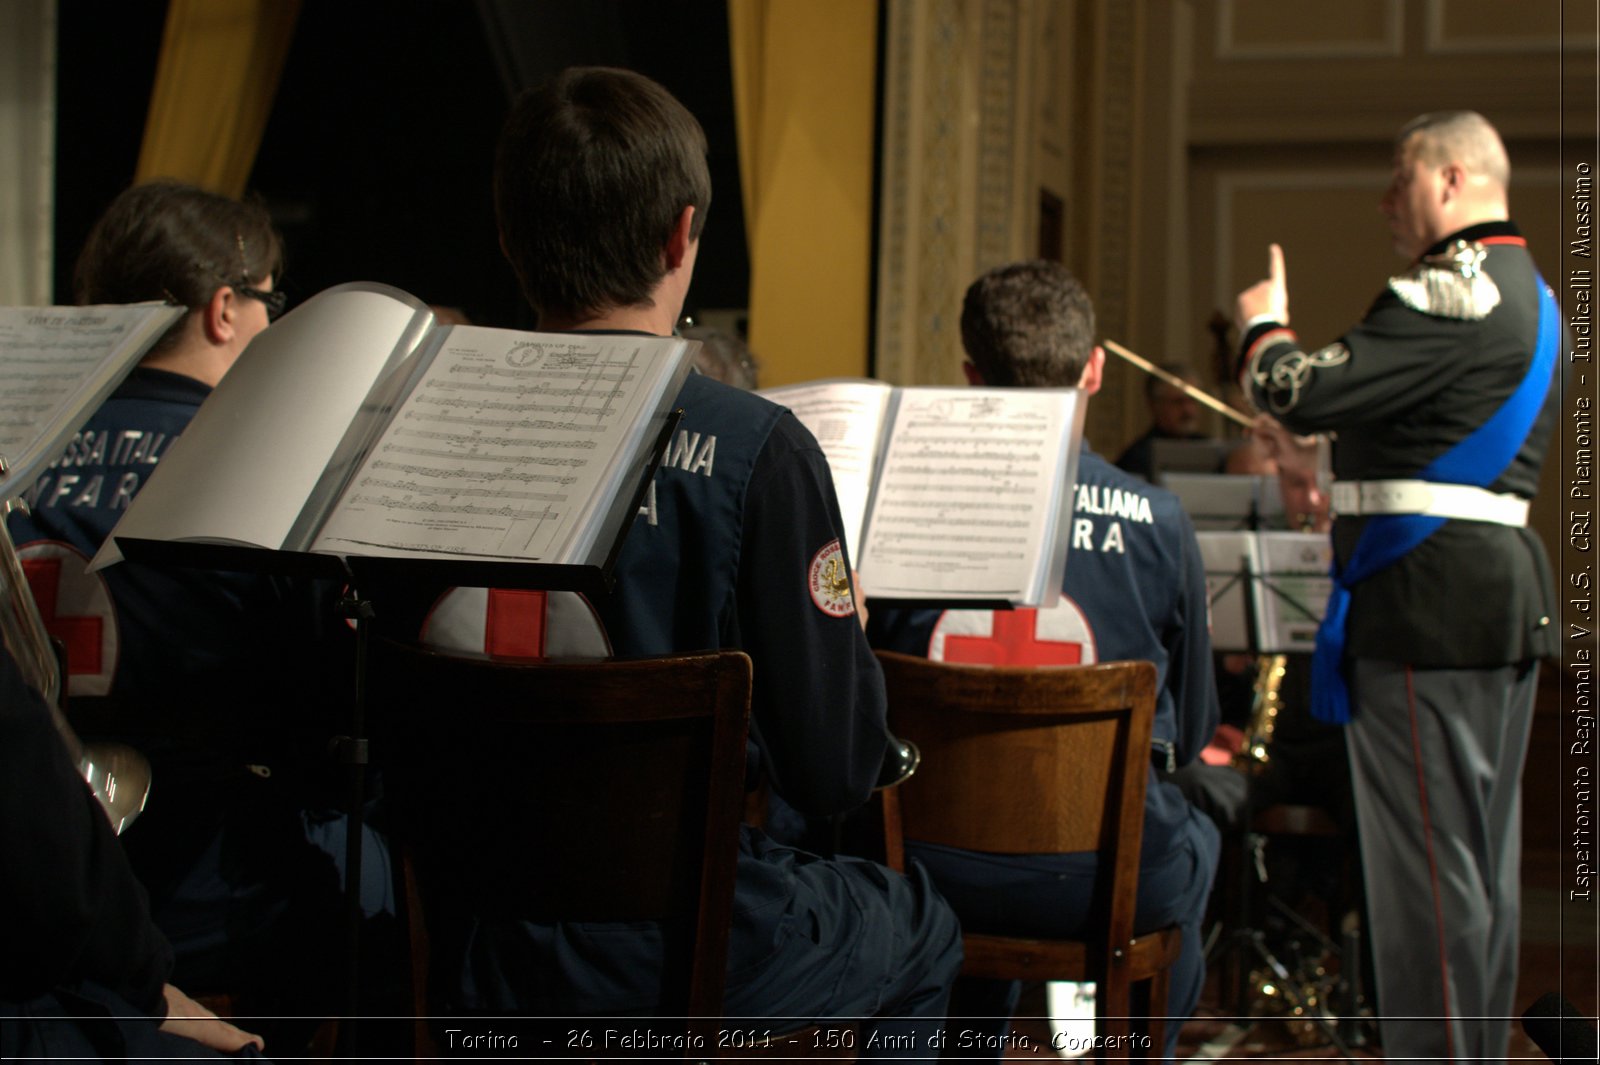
1264,706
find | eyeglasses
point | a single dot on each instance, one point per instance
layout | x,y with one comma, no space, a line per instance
277,301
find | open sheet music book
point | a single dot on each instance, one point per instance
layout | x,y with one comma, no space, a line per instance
57,365
950,496
358,428
1286,577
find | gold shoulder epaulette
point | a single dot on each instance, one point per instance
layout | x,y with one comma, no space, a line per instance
1451,284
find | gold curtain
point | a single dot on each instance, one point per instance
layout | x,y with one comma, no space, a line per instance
803,73
215,82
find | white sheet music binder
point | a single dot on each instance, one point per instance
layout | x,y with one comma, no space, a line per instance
357,428
57,365
950,496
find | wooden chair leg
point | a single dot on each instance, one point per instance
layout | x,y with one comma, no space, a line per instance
894,844
1160,985
1113,1004
422,1044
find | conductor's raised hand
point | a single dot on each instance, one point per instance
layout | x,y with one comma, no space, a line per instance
1269,297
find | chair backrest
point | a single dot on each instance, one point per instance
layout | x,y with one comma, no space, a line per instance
1029,761
595,791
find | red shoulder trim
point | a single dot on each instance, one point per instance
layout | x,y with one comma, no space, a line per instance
1279,334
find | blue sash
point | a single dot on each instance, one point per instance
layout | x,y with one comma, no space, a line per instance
1478,461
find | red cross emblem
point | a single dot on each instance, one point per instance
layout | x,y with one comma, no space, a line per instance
1057,637
76,609
515,623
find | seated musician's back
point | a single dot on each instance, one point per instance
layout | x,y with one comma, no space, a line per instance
1134,588
228,682
601,188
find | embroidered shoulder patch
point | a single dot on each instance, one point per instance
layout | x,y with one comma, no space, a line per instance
1451,284
829,582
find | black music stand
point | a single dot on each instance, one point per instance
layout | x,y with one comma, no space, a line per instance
1257,611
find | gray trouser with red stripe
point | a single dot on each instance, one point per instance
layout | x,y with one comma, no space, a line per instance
1436,760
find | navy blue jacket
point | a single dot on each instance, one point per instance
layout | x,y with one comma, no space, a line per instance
1134,588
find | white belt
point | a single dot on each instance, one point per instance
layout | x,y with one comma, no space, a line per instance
1462,501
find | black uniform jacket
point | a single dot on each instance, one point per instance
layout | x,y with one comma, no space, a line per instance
1413,378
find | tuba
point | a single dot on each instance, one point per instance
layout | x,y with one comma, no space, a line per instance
118,775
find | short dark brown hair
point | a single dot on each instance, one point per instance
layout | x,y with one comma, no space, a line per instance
1028,324
165,240
592,172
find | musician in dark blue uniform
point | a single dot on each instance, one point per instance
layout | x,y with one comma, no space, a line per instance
83,974
223,680
1443,402
601,188
1134,588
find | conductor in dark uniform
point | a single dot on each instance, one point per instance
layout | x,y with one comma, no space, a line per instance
1443,401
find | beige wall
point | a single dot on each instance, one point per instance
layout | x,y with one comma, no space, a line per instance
1182,136
1293,108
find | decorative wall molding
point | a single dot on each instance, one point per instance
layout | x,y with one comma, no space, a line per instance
1440,40
895,250
1113,202
1000,84
1389,44
1231,187
1325,93
28,30
938,154
958,172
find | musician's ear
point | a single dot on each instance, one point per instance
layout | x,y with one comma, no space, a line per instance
974,375
680,242
217,315
1093,371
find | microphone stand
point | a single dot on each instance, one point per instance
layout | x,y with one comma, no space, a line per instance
351,750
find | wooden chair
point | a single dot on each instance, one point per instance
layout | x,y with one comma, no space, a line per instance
1038,761
594,791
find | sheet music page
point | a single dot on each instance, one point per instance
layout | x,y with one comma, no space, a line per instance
505,448
56,364
243,469
1296,568
968,503
846,417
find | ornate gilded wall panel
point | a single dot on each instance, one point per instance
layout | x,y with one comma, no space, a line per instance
957,172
